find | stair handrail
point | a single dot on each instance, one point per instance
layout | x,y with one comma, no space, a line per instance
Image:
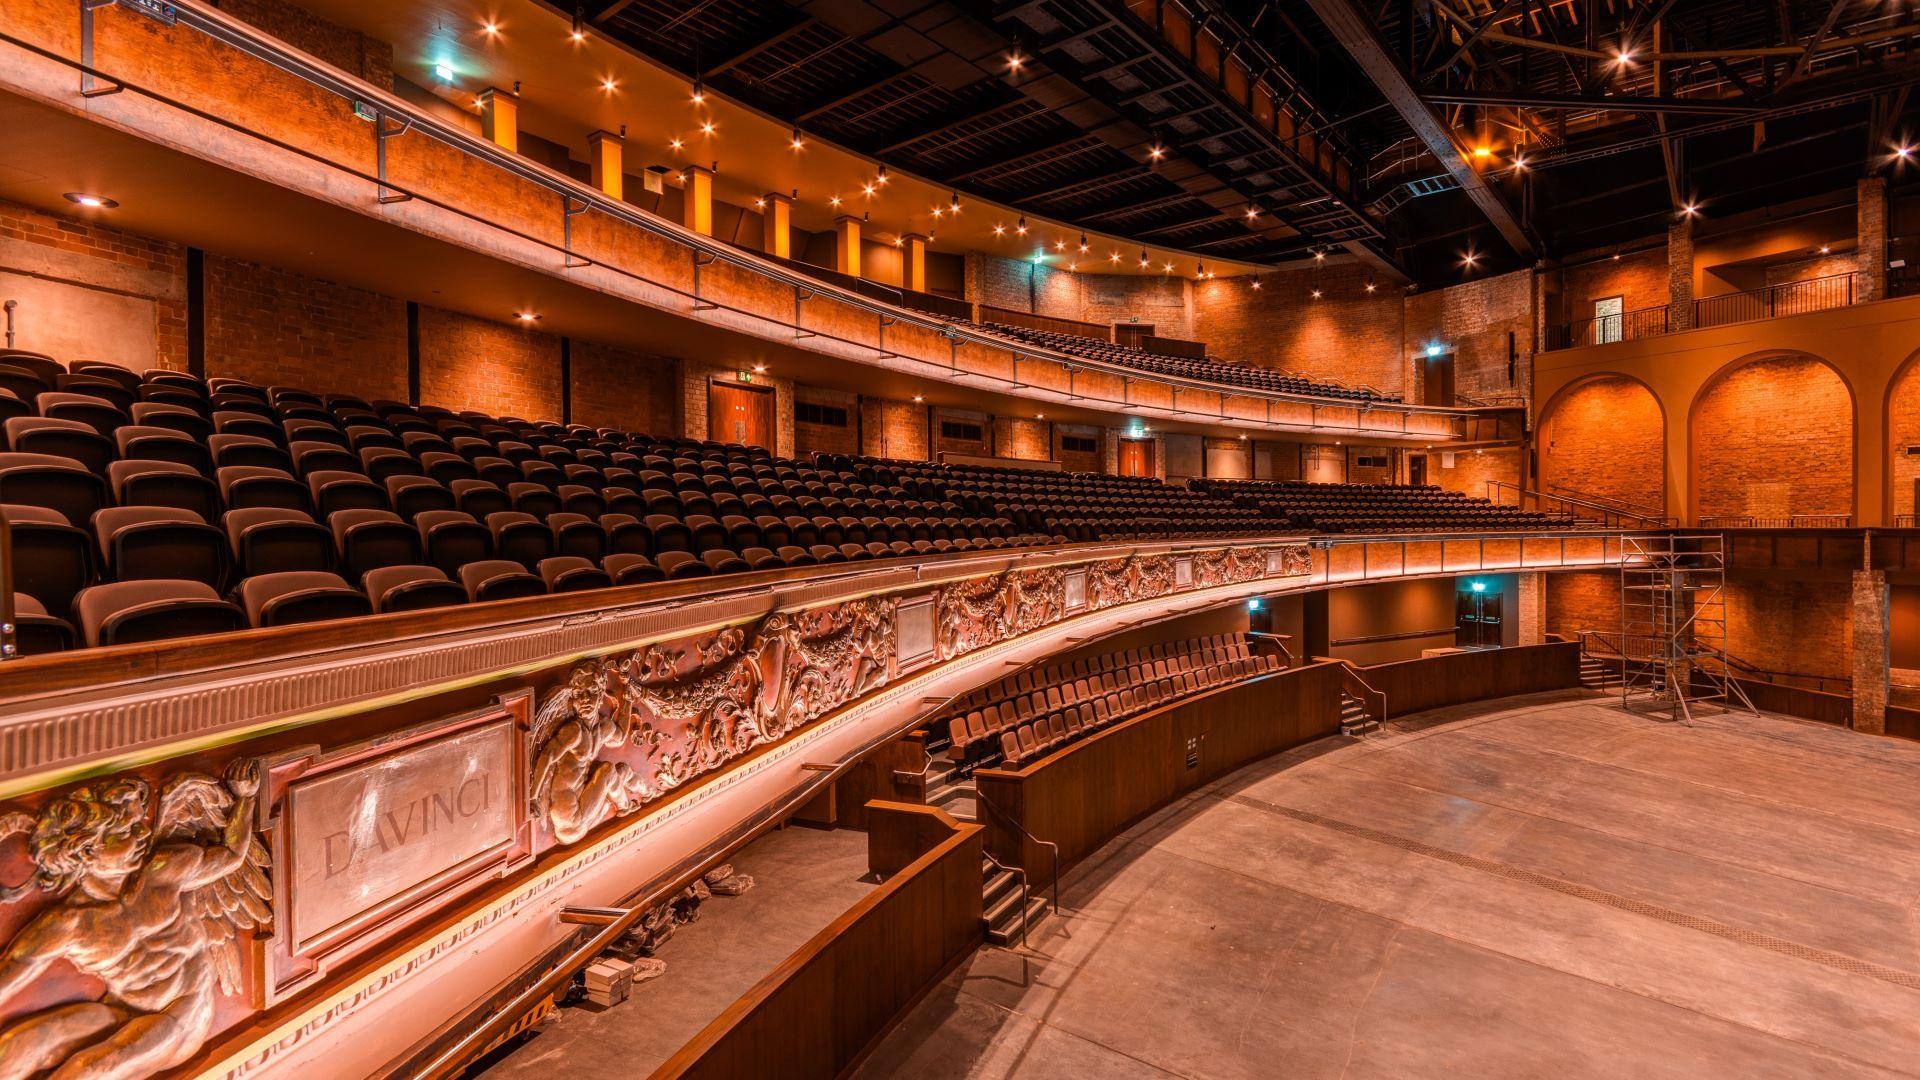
1053,849
1026,901
1610,516
1772,675
1279,641
1356,686
1654,513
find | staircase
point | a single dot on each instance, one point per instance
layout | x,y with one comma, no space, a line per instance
1010,909
1353,716
1599,673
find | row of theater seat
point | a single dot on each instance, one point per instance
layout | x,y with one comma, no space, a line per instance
1343,508
1057,702
1231,375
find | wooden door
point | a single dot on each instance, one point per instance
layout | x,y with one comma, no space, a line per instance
740,414
1136,457
1438,378
1131,334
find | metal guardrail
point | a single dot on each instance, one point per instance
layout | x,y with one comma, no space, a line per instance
1793,521
1775,301
1606,329
577,197
1611,515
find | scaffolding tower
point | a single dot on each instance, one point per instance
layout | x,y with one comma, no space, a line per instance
1673,625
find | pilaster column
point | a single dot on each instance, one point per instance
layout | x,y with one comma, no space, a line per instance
605,149
500,117
697,199
846,245
913,262
776,226
1872,612
1680,274
1871,214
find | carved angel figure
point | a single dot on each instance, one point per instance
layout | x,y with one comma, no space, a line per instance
572,785
156,912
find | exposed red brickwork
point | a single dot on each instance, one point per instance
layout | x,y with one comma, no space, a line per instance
1606,438
348,50
1276,460
1583,600
1472,469
1229,459
1639,279
276,327
81,264
696,396
1019,437
1792,626
1162,301
1680,274
943,444
1349,335
1481,320
812,438
1079,460
895,429
1774,438
624,388
1903,431
469,363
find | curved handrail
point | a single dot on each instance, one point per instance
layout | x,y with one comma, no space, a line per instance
247,39
1608,513
1652,513
1053,849
1020,874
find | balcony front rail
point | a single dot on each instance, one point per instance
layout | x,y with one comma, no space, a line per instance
1775,301
1792,521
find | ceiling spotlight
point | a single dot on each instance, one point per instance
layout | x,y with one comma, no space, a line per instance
918,399
759,204
1825,249
1616,256
1021,228
526,316
1059,245
938,212
953,204
1168,267
1471,258
1520,162
1113,256
833,200
443,71
1143,257
1039,416
1623,56
1320,256
91,202
759,369
609,84
1482,152
1691,209
1156,152
999,229
1243,437
1316,292
1073,266
706,127
579,25
699,93
1199,269
867,190
1370,285
1903,151
1256,281
795,142
1252,212
880,175
676,142
1015,61
1083,243
490,27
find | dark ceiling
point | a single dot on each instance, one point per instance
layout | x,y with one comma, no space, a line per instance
1722,104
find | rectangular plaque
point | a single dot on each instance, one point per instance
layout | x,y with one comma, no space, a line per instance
1183,571
913,632
368,833
1076,583
371,836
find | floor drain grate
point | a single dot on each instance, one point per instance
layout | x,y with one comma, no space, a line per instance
1838,961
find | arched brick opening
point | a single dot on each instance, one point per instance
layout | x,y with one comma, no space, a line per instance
1606,437
1903,431
1772,436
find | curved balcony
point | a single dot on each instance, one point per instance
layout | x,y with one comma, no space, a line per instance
217,90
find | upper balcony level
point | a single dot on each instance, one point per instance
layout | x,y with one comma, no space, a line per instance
210,120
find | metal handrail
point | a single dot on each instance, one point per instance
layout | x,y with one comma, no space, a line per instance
249,40
1773,676
1053,849
1655,513
1753,304
1279,641
1792,521
1026,902
1608,513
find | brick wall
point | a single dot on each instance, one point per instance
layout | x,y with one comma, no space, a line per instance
1903,430
1472,469
1348,335
1162,301
275,327
1639,279
1276,460
1583,600
814,438
1772,438
469,363
1795,626
695,399
1020,437
90,292
1606,438
1476,318
942,444
1079,460
624,388
894,429
1184,457
348,50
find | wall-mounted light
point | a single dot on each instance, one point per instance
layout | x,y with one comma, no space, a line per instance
579,25
919,400
1478,586
1254,603
443,71
91,202
759,369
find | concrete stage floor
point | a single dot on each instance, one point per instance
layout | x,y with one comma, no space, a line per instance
1535,887
803,880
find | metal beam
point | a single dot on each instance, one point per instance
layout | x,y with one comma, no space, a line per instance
752,51
1620,103
1355,34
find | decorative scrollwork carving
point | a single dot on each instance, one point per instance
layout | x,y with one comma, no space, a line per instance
983,611
1123,581
627,729
156,911
1295,561
1228,566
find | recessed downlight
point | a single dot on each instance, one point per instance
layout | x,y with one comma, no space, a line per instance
91,202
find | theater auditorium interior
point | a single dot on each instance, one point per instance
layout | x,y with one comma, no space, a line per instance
959,539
